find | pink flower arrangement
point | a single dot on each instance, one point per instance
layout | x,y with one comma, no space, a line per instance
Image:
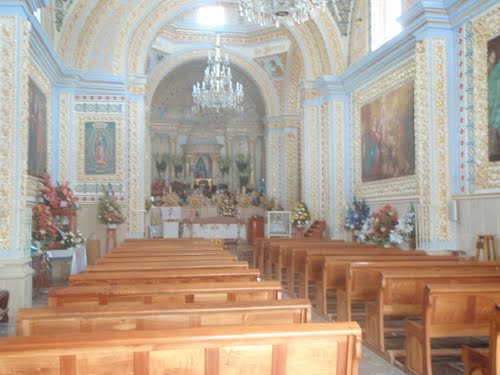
59,196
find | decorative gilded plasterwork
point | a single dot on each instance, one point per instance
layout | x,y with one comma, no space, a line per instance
341,12
466,144
393,79
486,27
441,177
70,29
333,41
64,156
135,170
92,27
312,160
79,146
339,203
60,9
273,164
326,199
8,95
291,168
423,147
297,72
135,44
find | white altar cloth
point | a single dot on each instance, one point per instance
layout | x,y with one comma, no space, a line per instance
78,254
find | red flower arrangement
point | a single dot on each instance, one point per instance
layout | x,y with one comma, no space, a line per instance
59,196
43,228
157,188
384,222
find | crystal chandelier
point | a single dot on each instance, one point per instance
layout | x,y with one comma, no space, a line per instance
274,12
217,92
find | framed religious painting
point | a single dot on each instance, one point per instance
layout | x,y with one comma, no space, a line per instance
37,133
279,224
100,148
493,64
387,135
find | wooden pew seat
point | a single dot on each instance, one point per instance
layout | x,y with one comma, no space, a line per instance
76,319
322,348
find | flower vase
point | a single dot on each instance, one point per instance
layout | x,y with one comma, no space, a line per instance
111,226
355,235
412,244
299,231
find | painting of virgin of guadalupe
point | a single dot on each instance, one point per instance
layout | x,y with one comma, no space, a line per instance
387,135
100,148
494,99
37,133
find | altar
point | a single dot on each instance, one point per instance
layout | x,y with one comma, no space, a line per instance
220,227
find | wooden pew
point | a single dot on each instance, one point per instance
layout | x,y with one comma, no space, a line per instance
159,293
263,244
401,296
167,276
332,274
165,258
179,265
449,311
485,363
108,318
361,278
146,253
274,255
166,249
308,262
322,348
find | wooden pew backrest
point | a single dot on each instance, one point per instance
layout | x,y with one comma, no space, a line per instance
322,348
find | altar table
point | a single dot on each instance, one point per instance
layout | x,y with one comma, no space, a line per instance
220,227
78,255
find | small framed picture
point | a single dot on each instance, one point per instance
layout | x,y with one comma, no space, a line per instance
279,224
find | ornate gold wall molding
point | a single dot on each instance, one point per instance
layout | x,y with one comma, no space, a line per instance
339,202
292,102
485,27
135,170
92,28
64,137
8,95
423,148
325,203
441,177
291,177
312,144
79,146
70,31
333,41
387,188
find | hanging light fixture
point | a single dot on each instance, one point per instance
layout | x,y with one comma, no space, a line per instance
217,92
274,12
